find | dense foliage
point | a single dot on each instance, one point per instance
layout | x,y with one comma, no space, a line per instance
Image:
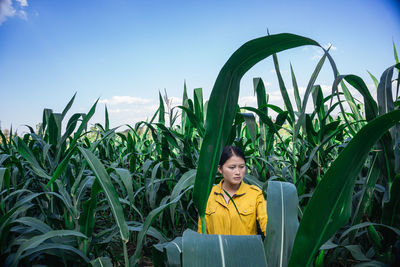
73,196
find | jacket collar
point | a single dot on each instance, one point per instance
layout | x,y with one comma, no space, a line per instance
240,192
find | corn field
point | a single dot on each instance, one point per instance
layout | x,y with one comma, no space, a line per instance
75,195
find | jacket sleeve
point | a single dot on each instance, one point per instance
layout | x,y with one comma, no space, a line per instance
199,226
262,216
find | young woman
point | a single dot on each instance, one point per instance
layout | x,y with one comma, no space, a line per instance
221,215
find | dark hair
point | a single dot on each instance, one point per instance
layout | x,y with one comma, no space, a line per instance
230,151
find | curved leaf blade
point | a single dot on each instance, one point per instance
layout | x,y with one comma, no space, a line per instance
329,207
223,101
282,201
109,190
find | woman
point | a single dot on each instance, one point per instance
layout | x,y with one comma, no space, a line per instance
221,215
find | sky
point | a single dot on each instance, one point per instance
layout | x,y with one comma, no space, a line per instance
125,52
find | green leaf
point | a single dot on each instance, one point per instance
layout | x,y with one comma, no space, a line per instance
250,179
186,180
391,209
19,207
251,126
282,87
282,223
396,57
262,102
68,106
192,118
126,178
222,250
273,128
309,89
367,224
102,262
46,116
87,218
54,130
72,122
223,102
35,224
198,103
67,202
4,178
107,120
371,264
318,100
320,146
259,89
4,143
320,222
27,154
153,232
385,98
366,193
112,197
295,89
64,163
37,240
371,108
57,248
161,114
172,252
356,252
374,79
146,225
184,123
350,100
168,135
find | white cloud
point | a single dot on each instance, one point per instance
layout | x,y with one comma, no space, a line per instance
175,101
130,110
22,14
22,3
118,110
274,97
7,10
117,100
248,101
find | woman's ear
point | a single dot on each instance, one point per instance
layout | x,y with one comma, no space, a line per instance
219,169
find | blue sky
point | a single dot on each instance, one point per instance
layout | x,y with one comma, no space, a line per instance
125,52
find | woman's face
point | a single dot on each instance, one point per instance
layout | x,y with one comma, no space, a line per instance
233,170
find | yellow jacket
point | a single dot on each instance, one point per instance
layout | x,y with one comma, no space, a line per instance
223,219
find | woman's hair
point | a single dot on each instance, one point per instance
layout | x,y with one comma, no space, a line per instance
230,151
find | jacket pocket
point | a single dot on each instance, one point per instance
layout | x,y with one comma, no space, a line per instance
246,211
210,210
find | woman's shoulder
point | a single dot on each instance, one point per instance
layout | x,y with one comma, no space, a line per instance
253,188
250,186
216,188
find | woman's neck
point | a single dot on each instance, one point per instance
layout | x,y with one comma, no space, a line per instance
231,189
